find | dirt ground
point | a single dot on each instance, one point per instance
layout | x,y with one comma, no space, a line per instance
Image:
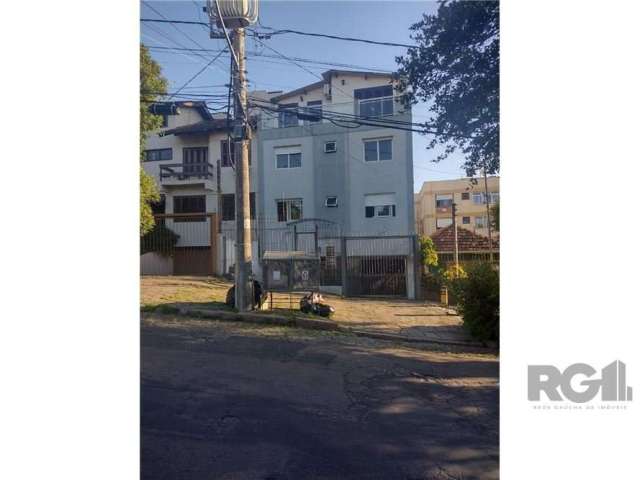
416,319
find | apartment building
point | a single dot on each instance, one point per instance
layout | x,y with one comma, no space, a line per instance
356,177
434,201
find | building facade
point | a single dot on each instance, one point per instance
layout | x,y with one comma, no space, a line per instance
304,165
433,204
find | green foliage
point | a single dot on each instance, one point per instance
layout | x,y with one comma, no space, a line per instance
454,272
428,254
148,194
455,69
151,83
478,298
159,239
495,217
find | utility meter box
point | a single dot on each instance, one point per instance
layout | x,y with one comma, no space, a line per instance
290,271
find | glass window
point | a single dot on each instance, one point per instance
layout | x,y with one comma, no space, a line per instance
481,222
478,198
465,195
282,160
288,117
444,200
370,151
295,160
374,101
228,207
377,150
289,209
466,220
385,149
189,204
158,154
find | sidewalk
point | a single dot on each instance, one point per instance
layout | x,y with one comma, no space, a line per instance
396,319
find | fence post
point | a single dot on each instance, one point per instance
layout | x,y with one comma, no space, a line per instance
417,269
213,241
343,264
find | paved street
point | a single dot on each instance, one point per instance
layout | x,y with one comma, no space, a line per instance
239,401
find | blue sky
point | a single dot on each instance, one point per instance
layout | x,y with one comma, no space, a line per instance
376,20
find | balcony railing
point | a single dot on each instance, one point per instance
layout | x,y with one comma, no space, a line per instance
374,108
186,171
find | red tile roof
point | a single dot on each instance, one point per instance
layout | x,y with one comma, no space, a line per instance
468,241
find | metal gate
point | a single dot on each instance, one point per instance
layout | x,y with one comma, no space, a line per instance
378,265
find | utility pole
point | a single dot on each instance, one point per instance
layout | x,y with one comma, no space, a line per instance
486,199
241,139
455,235
236,15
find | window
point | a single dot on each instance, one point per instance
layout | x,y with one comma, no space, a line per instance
444,200
190,204
374,101
165,120
288,118
314,110
289,160
479,197
380,205
465,195
331,201
229,206
481,222
466,220
195,160
289,209
330,147
443,222
377,150
158,154
159,207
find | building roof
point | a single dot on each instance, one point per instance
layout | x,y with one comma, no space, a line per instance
205,126
468,241
171,108
326,78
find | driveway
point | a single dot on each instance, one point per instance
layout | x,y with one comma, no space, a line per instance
240,401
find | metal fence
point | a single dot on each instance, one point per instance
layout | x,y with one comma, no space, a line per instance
350,265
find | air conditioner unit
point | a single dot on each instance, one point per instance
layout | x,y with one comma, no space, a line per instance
331,202
330,147
327,90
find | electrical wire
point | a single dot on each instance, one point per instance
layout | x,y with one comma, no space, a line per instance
196,75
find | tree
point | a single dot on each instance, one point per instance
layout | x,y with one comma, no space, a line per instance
152,83
455,69
428,254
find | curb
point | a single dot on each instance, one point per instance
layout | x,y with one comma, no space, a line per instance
313,324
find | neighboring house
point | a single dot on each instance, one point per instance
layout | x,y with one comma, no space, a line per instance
471,246
358,179
433,204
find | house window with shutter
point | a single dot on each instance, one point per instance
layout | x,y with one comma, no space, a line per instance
380,205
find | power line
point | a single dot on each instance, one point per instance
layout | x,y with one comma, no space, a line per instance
188,37
257,54
274,31
196,75
333,37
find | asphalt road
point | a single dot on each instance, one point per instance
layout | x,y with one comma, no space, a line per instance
233,401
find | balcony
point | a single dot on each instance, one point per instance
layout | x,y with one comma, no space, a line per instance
187,174
370,109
